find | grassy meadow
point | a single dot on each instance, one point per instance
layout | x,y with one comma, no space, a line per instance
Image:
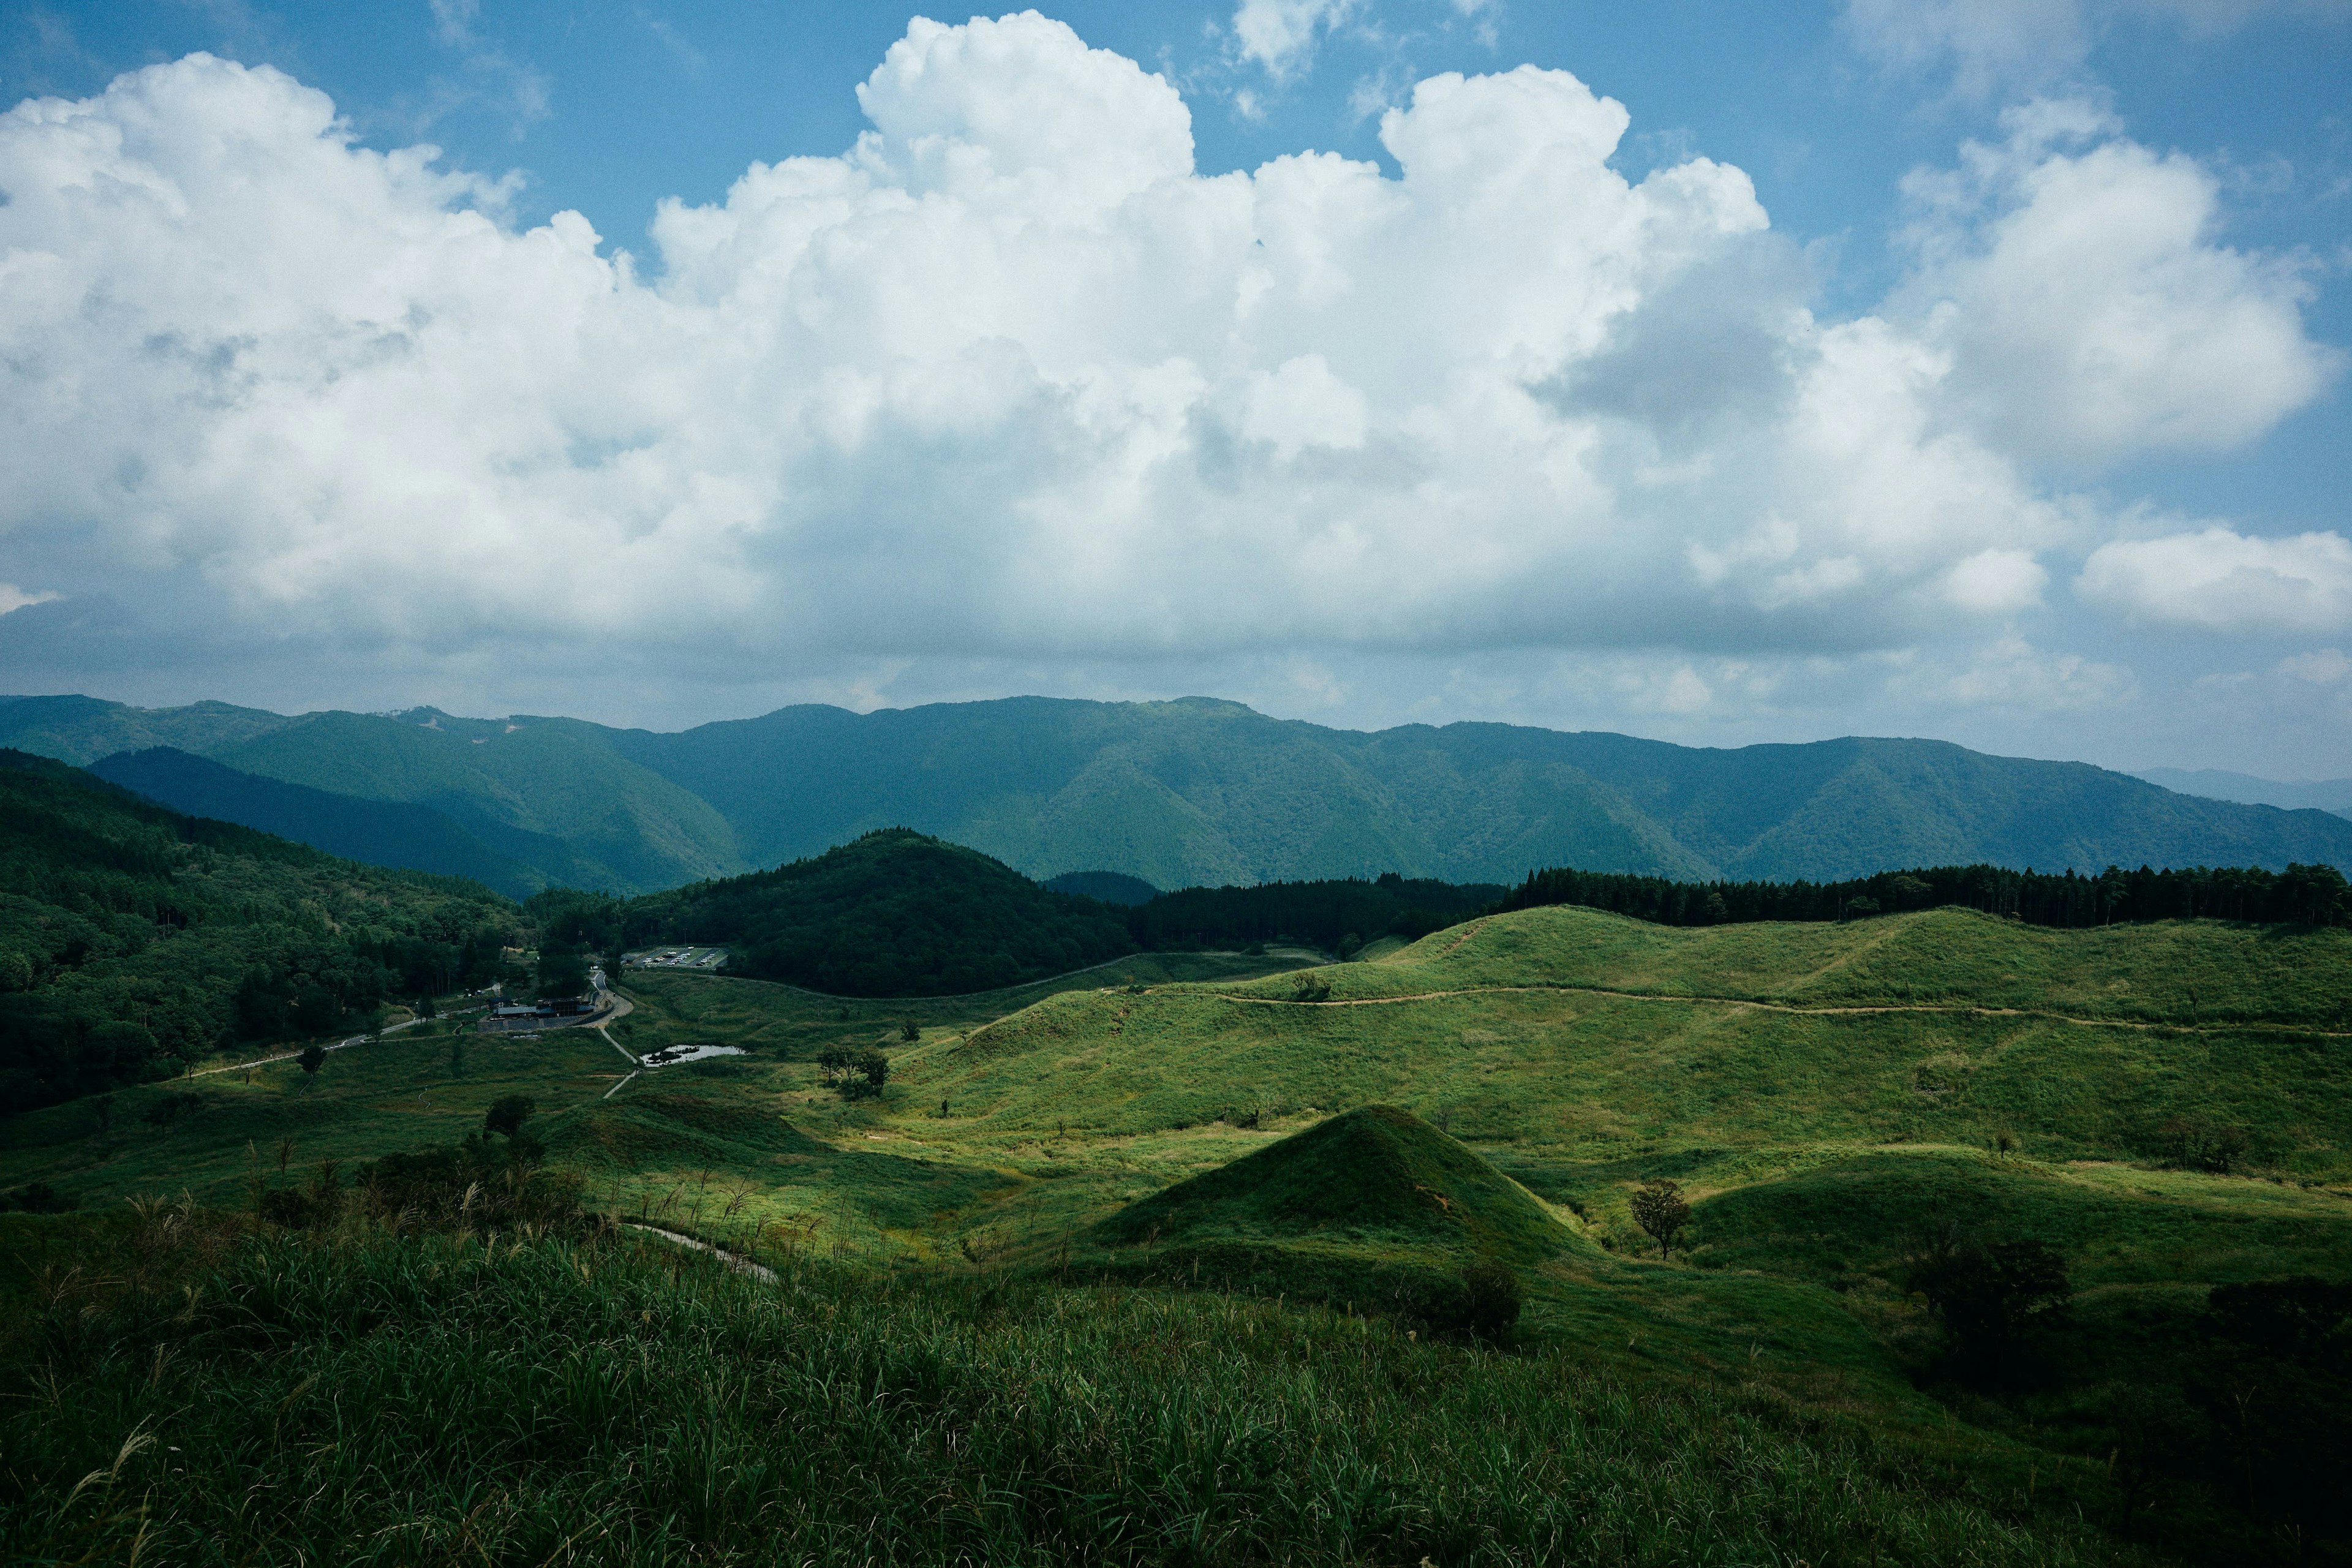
971,1356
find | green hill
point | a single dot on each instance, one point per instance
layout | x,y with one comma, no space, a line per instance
381,833
2166,1107
135,940
893,914
1375,1177
1199,793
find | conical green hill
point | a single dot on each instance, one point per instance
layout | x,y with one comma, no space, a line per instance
1375,1176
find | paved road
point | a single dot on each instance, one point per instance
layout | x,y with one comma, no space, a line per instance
740,1265
289,1055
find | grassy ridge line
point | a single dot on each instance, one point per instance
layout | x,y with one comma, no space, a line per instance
2177,969
1572,1077
1970,1009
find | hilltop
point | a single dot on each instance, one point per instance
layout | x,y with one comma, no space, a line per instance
892,914
1199,793
1375,1177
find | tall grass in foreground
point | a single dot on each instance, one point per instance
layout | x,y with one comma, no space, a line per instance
381,1399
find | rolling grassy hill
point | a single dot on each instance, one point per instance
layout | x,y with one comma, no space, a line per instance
1201,792
1828,1096
1372,1208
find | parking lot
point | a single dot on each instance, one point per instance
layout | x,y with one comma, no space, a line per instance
702,958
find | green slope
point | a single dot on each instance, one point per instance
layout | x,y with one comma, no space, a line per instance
893,914
552,793
1203,793
381,833
1581,1038
80,730
1826,1094
1375,1176
134,941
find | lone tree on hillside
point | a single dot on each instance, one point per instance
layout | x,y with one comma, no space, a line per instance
859,1075
911,1030
313,1057
1660,1209
2196,1144
507,1113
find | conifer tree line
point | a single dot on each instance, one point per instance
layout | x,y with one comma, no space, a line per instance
2305,895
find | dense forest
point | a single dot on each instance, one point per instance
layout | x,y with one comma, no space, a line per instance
892,914
2307,895
135,940
1339,915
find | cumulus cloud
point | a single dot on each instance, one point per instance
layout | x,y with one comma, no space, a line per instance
1010,379
2218,580
2090,310
1280,35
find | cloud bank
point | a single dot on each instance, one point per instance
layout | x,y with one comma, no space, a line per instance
1011,380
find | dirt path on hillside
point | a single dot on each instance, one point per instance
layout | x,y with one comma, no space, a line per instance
1946,1010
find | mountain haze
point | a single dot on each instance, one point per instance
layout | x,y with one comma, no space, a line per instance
2296,794
1199,791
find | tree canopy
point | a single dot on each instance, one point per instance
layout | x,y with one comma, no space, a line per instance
894,913
135,940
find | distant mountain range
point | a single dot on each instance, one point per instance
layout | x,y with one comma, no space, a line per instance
1189,793
382,832
2213,784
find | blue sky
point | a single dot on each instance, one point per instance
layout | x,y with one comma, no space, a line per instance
2114,536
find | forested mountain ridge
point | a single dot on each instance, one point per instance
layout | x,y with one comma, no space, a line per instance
1203,792
135,939
379,832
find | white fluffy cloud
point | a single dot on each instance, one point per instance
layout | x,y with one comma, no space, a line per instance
1280,34
2090,310
2216,580
1011,379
